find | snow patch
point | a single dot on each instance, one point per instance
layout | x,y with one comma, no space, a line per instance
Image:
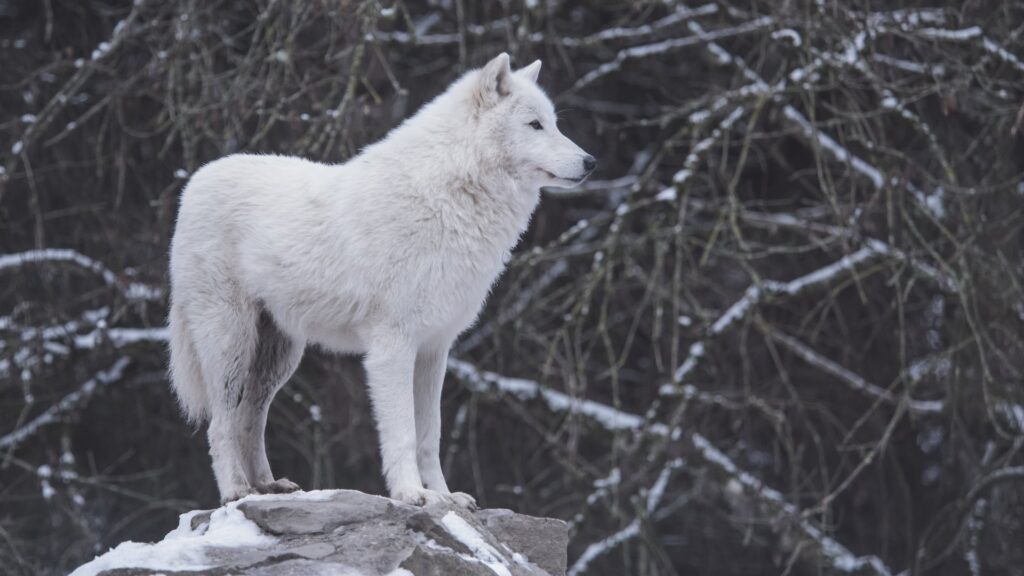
930,439
613,479
841,154
184,548
598,548
139,291
100,50
666,195
1014,414
788,34
933,202
306,495
465,533
699,117
944,34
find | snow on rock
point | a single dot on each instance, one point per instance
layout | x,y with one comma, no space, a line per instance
344,533
186,547
468,535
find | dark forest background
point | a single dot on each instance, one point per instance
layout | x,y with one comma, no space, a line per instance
779,333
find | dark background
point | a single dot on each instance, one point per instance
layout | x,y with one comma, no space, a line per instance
868,418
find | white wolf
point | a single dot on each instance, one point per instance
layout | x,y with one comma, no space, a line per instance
389,255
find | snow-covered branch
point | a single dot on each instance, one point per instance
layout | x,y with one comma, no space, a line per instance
754,295
831,551
666,46
803,224
633,528
84,69
932,202
971,34
680,14
67,404
132,290
694,157
483,381
851,379
784,220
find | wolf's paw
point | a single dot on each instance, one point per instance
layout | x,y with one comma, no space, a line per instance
425,497
282,486
421,496
236,494
464,500
416,496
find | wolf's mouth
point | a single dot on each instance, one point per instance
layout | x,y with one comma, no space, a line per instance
557,177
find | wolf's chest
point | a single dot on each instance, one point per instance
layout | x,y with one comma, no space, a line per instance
452,284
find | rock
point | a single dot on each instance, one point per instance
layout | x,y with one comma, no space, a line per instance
426,562
314,517
545,541
347,533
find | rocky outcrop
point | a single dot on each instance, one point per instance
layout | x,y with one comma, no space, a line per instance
347,533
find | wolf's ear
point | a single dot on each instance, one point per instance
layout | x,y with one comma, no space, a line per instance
495,81
530,72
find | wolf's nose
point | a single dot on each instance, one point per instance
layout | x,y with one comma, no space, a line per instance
589,163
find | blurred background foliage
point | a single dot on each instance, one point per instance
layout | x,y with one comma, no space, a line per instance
780,332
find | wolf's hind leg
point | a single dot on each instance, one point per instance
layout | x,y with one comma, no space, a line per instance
224,332
227,467
275,360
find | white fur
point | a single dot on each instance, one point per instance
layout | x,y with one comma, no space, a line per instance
390,255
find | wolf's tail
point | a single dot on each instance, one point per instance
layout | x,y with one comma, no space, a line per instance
186,375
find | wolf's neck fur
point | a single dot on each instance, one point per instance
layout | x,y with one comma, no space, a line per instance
465,173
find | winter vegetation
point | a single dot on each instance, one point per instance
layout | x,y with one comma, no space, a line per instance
781,330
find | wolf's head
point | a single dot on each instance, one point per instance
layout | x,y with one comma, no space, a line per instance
519,117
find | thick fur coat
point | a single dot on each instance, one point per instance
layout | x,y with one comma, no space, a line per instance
390,255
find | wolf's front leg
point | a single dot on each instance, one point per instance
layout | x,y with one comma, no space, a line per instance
390,363
389,373
431,363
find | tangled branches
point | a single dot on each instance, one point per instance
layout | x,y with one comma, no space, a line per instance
783,333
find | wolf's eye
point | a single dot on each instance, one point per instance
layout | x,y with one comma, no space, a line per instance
536,125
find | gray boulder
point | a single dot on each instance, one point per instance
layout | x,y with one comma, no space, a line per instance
345,533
